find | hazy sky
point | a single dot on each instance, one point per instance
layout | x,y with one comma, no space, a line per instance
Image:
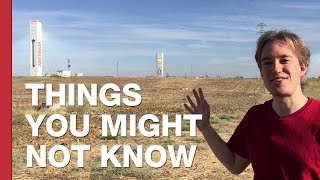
197,37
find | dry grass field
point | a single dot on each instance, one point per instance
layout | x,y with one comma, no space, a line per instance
229,99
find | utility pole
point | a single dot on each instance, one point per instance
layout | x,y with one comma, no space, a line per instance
117,69
261,26
68,64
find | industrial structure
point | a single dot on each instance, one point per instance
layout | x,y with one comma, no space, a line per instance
65,73
35,62
261,26
160,62
78,74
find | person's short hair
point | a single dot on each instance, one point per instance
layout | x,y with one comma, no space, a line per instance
294,41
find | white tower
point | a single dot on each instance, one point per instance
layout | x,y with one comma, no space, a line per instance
35,64
160,68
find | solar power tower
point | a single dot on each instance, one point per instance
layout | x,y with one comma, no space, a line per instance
160,62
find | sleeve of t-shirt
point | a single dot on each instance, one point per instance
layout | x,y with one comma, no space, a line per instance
238,143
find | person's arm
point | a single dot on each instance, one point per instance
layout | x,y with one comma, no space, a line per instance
233,162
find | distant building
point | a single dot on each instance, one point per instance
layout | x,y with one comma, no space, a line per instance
35,62
63,73
79,74
160,61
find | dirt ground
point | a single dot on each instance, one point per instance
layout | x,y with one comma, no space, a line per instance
229,99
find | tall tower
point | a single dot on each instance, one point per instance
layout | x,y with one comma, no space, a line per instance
160,68
35,63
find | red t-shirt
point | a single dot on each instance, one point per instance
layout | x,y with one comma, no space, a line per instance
280,147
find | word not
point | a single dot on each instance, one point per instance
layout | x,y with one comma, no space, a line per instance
108,125
42,158
91,96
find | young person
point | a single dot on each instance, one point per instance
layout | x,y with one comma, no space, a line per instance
280,138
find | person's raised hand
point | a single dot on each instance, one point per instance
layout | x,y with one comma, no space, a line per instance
201,107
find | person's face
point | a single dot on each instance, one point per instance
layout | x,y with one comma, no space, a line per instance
280,69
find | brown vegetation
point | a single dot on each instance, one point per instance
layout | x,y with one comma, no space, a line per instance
229,99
